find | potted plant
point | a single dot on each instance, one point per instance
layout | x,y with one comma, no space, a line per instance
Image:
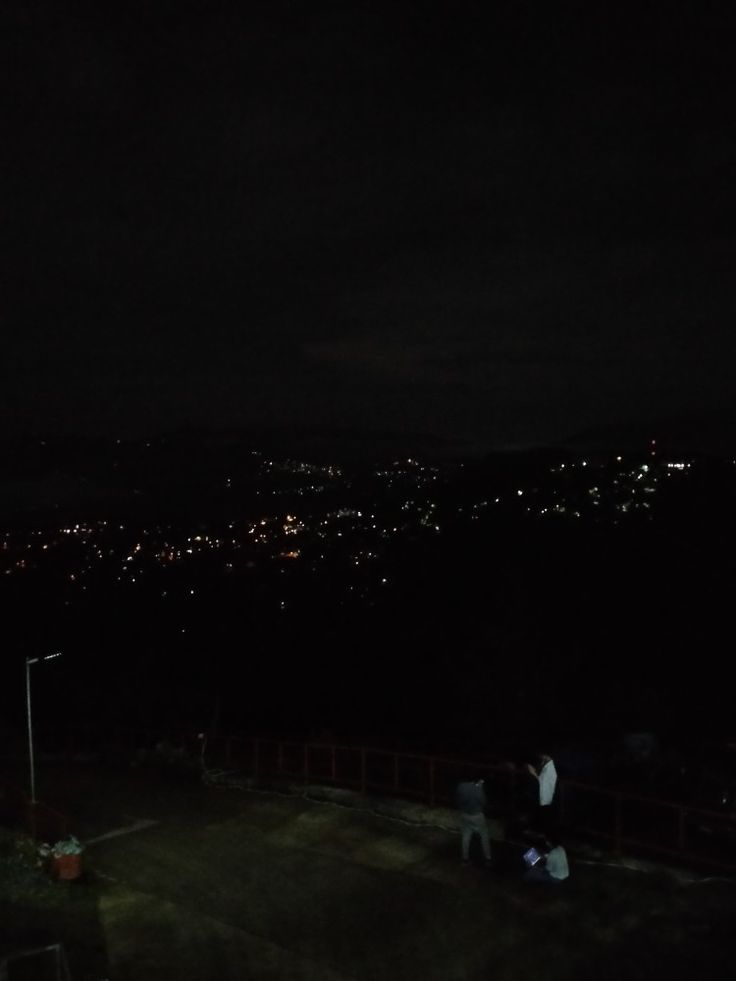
65,857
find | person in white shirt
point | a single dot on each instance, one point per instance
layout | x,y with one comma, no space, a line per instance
553,867
546,776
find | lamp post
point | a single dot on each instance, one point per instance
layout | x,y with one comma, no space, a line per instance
29,662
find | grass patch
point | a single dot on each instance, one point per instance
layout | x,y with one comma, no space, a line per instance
36,911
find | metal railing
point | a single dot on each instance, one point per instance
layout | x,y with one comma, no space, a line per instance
48,964
619,819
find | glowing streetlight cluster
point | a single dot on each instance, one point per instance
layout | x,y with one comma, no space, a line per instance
350,530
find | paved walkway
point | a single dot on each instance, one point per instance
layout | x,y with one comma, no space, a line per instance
293,889
247,886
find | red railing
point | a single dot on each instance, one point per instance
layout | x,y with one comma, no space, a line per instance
620,819
623,820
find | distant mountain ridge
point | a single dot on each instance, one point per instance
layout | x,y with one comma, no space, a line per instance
712,432
324,444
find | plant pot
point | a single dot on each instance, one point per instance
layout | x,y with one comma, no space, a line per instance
66,866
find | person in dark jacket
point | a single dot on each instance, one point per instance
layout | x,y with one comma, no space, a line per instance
471,802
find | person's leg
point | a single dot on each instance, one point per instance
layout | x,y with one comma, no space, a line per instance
541,820
467,833
475,824
485,838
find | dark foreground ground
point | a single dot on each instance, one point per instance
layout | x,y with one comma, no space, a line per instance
255,885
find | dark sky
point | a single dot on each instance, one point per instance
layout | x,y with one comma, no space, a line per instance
499,223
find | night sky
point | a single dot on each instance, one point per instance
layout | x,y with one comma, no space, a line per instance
495,223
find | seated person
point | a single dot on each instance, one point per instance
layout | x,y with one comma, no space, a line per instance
552,867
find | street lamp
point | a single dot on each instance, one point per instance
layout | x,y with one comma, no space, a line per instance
29,662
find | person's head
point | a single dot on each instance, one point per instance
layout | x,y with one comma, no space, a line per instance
479,781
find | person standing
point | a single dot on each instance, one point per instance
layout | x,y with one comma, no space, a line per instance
471,802
546,776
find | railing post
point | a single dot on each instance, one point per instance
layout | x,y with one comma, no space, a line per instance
362,770
431,782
